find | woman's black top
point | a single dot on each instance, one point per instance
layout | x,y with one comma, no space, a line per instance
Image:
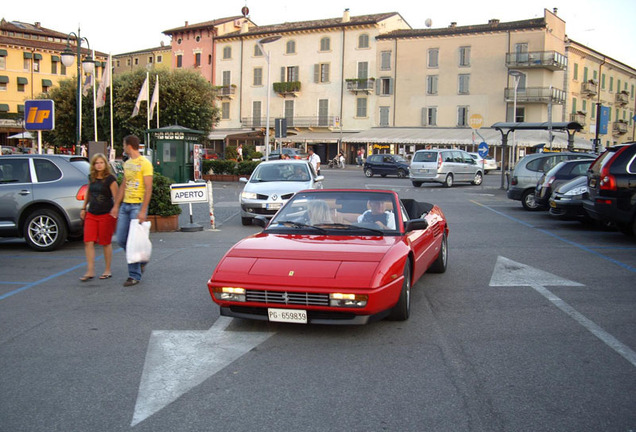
100,198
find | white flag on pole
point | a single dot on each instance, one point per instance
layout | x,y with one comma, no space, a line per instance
143,96
88,82
155,98
103,85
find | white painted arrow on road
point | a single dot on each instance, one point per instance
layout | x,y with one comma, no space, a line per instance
177,361
510,273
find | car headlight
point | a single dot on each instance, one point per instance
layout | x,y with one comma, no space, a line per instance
229,294
348,300
576,191
248,195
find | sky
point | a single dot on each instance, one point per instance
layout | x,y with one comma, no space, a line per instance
119,26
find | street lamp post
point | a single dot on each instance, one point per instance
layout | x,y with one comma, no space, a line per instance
68,58
517,76
262,42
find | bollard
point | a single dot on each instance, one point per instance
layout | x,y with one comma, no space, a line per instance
211,201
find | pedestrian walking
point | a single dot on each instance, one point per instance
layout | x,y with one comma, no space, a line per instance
99,224
314,160
132,200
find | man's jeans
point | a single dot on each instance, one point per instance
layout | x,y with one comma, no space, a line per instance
127,212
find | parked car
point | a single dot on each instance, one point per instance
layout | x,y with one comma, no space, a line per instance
273,183
386,164
563,172
208,154
611,182
293,153
488,163
41,197
528,171
445,166
566,202
337,256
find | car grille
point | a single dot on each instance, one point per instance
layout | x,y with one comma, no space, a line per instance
266,197
286,297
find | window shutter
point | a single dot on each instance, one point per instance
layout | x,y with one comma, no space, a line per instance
282,74
316,73
390,86
296,74
327,72
424,116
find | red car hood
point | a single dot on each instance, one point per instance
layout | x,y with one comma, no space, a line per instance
302,260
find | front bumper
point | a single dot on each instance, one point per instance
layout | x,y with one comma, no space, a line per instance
313,316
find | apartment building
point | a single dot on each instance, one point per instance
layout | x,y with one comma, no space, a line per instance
158,57
30,64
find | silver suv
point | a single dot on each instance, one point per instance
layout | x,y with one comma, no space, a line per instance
41,197
445,166
529,170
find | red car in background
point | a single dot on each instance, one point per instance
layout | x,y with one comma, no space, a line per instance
208,154
333,257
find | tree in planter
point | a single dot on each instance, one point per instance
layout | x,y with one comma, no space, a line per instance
160,203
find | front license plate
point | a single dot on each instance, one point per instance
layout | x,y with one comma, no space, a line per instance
273,206
287,315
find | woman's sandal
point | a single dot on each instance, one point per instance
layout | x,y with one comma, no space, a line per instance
106,276
86,278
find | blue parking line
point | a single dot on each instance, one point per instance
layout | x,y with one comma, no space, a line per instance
577,245
48,278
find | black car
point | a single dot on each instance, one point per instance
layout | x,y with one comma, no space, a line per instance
386,164
561,173
566,202
611,181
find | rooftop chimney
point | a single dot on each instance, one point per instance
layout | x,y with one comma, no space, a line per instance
493,22
453,24
38,24
245,27
345,16
186,24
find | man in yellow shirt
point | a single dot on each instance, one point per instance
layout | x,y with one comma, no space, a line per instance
132,200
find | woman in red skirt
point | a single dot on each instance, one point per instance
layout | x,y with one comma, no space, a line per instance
99,225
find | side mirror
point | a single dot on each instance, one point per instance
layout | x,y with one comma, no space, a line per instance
243,179
261,221
416,224
319,178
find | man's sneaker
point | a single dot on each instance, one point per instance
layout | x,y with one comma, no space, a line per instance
130,282
143,267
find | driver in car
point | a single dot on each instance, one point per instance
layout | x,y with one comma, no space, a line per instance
378,215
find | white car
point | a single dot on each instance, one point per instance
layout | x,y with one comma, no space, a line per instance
272,184
489,162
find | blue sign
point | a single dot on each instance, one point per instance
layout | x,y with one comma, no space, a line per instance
483,149
603,120
39,114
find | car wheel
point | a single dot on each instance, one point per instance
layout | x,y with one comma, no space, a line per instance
478,178
439,266
45,230
627,228
382,175
402,309
417,184
401,174
448,182
246,221
528,202
368,172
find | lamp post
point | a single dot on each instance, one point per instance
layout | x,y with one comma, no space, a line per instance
517,76
260,43
68,58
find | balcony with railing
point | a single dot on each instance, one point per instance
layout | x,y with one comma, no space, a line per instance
541,95
292,122
287,88
225,92
589,88
619,127
578,117
622,98
360,85
551,60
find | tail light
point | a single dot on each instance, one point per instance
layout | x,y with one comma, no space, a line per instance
514,181
607,181
81,193
439,160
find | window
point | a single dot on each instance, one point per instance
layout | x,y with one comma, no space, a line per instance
464,56
323,112
463,84
289,74
3,60
150,59
46,170
26,65
462,116
384,116
576,72
136,61
290,47
385,86
227,52
256,113
258,52
363,70
521,114
325,44
36,65
197,59
225,111
363,41
584,74
53,67
611,84
179,60
128,62
429,116
433,57
361,107
227,79
321,72
289,112
431,84
573,105
521,53
159,59
22,82
385,60
258,76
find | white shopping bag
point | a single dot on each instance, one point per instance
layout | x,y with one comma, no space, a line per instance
138,246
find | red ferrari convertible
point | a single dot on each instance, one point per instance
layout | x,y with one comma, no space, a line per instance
333,257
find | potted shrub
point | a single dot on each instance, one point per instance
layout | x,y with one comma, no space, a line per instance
163,215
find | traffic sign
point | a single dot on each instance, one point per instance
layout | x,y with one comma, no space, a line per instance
476,121
483,149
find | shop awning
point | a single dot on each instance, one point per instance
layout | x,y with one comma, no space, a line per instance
318,137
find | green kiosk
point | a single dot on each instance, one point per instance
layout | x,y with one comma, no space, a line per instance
173,151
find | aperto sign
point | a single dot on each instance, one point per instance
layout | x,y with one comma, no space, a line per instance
39,114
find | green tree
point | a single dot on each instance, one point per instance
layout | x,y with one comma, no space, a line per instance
185,98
